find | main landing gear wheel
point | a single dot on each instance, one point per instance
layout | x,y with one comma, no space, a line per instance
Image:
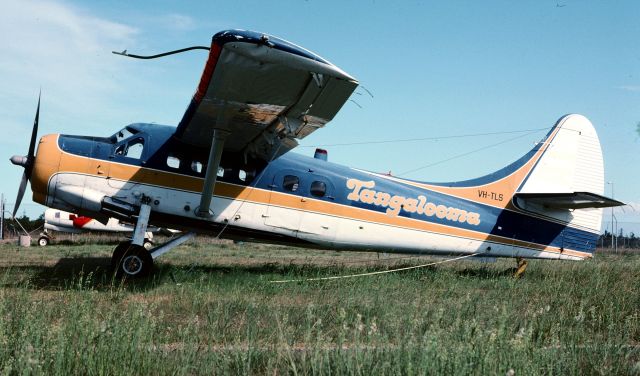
118,252
131,261
43,241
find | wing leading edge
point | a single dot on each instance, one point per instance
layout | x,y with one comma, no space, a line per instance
262,93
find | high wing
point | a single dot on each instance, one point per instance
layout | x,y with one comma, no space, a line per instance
257,95
262,93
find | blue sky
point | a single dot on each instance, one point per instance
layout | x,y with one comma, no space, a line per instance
435,69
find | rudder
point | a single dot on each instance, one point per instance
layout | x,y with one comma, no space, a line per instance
571,166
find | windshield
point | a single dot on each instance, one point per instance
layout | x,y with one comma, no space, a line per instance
123,134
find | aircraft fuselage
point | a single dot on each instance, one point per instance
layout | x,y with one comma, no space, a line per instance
298,200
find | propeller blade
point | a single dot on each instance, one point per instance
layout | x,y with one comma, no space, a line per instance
27,161
34,133
23,186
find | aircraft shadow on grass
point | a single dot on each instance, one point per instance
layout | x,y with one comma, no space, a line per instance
95,273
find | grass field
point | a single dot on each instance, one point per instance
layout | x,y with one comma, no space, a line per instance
210,309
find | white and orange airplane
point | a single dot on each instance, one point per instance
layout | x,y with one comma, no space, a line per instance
226,170
56,220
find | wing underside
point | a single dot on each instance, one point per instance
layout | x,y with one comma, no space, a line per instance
264,93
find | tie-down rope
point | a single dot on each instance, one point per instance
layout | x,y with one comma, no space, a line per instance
379,272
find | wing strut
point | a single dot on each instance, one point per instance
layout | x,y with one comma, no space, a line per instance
215,154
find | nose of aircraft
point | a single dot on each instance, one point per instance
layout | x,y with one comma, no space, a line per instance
20,160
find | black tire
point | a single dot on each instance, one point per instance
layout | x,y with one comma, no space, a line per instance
136,262
43,241
118,252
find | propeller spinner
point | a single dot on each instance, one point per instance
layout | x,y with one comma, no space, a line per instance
26,161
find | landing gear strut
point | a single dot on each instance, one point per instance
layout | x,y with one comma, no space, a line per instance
131,259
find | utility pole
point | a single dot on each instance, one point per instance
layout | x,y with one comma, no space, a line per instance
2,217
614,242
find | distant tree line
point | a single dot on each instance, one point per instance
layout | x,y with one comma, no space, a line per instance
623,240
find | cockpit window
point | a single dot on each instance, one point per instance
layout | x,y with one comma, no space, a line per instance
132,149
123,134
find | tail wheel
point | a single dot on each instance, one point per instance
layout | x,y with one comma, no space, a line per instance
148,244
43,241
134,262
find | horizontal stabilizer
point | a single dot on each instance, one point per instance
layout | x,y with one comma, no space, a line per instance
573,200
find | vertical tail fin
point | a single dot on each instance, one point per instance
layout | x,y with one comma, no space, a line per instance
567,183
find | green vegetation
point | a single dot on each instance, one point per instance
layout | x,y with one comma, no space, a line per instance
210,309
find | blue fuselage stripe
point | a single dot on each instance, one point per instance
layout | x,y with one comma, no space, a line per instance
506,223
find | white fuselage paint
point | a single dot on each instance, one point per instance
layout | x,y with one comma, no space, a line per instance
321,229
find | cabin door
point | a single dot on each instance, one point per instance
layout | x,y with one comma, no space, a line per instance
318,222
283,210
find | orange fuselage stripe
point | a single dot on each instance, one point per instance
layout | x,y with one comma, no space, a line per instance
71,163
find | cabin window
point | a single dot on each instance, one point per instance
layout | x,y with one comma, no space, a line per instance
196,166
318,188
173,161
220,172
290,183
134,149
249,175
242,175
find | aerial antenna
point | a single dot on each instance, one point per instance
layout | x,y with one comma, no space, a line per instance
367,90
124,53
